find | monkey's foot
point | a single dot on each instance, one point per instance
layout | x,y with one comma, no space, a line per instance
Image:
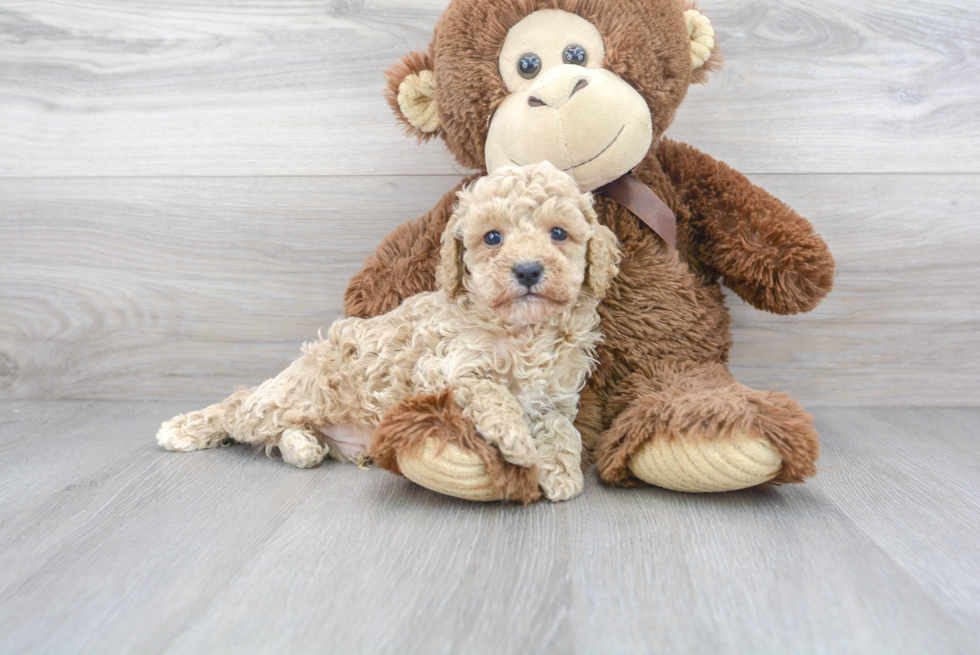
429,441
454,471
706,465
712,435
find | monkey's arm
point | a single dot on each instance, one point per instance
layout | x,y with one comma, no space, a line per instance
767,253
402,266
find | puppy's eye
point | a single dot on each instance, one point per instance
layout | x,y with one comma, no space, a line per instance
529,66
493,238
575,54
558,234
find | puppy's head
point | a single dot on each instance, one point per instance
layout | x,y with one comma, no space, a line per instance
525,242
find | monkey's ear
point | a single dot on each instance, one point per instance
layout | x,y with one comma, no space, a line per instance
411,94
704,49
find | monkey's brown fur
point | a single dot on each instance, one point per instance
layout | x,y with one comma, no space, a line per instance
662,370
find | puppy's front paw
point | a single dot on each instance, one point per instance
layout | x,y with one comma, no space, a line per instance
301,448
514,442
519,452
561,485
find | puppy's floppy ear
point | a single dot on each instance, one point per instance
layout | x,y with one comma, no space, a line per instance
602,258
449,275
411,95
704,49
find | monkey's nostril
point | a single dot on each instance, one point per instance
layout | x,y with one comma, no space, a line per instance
528,274
535,102
581,84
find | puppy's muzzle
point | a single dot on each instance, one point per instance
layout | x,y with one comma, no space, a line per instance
528,274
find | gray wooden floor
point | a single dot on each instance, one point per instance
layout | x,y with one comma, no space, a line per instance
111,545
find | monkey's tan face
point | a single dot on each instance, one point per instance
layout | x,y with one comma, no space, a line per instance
564,107
525,261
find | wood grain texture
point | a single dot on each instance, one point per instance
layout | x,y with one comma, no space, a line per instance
290,87
911,473
150,288
108,544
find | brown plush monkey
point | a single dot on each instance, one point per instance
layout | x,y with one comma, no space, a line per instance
591,85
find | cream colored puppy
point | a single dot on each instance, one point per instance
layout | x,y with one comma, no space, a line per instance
512,331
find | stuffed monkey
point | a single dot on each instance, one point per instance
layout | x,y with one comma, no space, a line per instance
592,85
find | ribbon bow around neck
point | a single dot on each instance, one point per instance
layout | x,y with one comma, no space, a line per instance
640,199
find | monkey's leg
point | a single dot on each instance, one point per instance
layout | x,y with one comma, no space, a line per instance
690,426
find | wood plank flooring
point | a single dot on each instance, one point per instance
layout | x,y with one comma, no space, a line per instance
108,544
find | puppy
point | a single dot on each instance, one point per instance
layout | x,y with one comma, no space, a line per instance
512,331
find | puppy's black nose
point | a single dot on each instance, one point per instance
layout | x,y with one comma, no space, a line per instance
528,274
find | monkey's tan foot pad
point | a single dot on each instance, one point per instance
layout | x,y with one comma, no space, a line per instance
454,471
700,465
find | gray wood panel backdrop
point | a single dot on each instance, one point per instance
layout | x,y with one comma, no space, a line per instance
186,187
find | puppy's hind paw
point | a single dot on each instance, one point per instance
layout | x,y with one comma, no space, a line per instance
301,448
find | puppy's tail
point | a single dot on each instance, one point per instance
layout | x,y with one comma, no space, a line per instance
205,428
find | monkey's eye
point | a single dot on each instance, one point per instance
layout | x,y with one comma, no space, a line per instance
493,238
529,66
558,234
575,54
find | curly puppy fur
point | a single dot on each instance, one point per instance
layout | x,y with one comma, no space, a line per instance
513,355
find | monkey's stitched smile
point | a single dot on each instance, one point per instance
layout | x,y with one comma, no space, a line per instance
590,159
